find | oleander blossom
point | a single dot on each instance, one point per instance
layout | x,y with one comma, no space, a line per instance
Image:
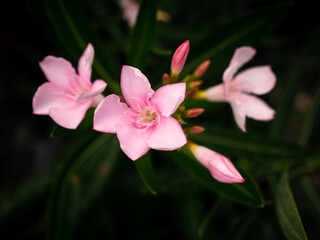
145,120
68,95
238,89
220,167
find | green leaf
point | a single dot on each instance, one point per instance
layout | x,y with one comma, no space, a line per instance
287,212
246,193
71,25
145,169
224,140
78,181
241,30
143,34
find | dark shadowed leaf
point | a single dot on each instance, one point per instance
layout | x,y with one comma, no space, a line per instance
145,169
143,34
287,212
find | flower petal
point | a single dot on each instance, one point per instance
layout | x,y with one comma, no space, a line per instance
256,108
58,71
168,135
70,117
215,93
240,57
257,80
97,87
110,113
134,84
239,114
133,141
168,98
84,66
50,96
220,167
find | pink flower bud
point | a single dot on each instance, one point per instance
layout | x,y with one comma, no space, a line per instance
196,130
179,58
165,78
202,68
194,84
194,112
191,93
220,167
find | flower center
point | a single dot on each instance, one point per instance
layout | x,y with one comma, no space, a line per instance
147,116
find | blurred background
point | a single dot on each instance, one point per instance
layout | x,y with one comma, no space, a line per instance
118,205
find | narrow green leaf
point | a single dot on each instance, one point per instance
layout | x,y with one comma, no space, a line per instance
246,193
143,34
311,192
224,140
145,169
71,26
287,212
79,179
241,30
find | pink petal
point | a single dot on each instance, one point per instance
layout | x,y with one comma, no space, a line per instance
110,113
133,141
70,117
50,96
256,108
239,114
257,80
84,66
220,167
58,71
135,85
168,98
179,57
130,11
168,135
240,57
97,87
216,93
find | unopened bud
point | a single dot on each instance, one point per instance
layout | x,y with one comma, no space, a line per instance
202,68
165,78
196,130
220,167
163,16
191,93
179,58
194,112
194,84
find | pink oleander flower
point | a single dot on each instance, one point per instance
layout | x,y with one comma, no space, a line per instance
238,90
220,167
130,11
179,58
145,121
68,95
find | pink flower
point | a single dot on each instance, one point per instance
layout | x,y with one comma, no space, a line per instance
238,90
67,96
147,122
180,57
220,167
130,11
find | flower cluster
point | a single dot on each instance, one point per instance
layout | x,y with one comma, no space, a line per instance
145,119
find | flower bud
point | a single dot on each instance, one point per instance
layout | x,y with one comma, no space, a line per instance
191,93
196,130
194,112
220,167
179,58
194,84
202,68
165,78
